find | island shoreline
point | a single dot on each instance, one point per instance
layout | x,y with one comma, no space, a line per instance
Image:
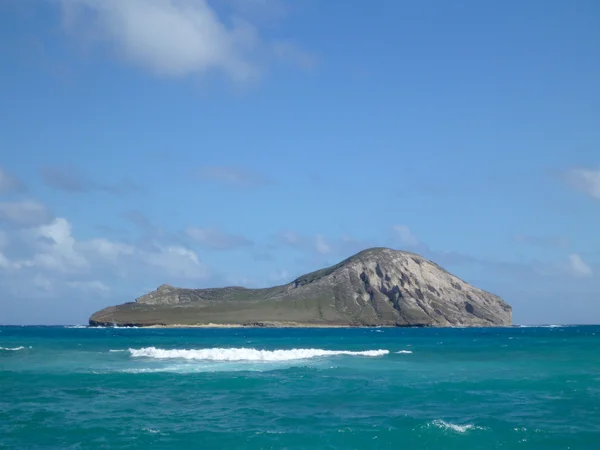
287,326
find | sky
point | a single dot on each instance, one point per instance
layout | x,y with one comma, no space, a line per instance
246,142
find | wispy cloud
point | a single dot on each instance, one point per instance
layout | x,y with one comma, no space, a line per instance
262,256
291,53
319,247
584,180
233,176
217,239
405,236
290,238
9,183
139,219
70,179
260,10
280,276
578,267
24,213
542,241
89,286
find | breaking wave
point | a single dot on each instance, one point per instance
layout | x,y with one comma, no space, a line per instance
247,354
14,349
407,352
453,427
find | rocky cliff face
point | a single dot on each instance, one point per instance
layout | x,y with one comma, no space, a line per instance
376,287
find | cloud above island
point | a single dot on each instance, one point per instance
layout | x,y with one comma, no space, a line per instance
42,258
47,261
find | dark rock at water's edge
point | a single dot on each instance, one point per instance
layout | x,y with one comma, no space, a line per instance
376,287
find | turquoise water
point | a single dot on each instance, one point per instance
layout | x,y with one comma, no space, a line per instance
521,388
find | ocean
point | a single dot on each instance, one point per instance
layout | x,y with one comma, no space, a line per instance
372,388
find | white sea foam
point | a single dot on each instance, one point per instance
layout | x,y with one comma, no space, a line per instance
117,351
451,426
14,349
146,370
188,368
247,354
76,326
407,352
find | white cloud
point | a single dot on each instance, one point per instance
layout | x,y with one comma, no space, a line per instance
321,245
289,237
54,249
24,213
89,286
586,181
241,280
9,183
56,261
578,267
58,248
177,261
572,266
169,37
280,275
5,263
109,250
215,239
168,260
405,236
42,284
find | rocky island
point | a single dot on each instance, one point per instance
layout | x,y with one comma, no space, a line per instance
376,287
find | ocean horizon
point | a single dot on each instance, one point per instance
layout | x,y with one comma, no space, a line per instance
521,386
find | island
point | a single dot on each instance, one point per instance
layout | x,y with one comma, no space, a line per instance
375,287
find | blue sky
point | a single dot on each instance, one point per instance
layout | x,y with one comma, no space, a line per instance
204,143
